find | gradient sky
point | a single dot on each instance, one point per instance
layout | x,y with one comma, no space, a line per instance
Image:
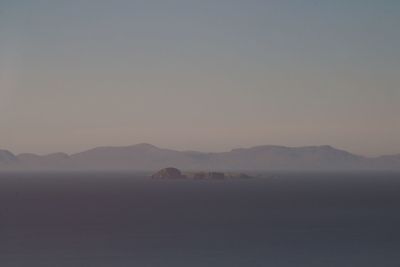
202,75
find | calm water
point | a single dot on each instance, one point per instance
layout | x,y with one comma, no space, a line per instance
124,220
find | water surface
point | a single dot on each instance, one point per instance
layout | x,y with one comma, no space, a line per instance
282,220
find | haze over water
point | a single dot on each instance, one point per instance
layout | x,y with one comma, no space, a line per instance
282,220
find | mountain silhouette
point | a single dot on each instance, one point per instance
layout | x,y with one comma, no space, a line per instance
147,157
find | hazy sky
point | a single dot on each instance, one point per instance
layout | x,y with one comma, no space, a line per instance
203,75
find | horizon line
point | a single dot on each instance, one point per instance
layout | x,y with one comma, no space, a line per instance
196,151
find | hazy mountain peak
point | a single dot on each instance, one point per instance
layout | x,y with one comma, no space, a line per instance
283,148
58,155
144,146
7,157
146,156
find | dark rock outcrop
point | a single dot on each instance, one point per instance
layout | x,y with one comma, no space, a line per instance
216,175
199,176
168,173
207,175
238,176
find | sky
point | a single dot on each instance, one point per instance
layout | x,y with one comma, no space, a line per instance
199,75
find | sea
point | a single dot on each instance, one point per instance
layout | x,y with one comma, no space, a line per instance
278,219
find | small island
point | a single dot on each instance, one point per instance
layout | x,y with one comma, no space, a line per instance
168,173
172,173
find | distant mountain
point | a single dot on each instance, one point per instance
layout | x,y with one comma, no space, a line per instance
6,157
389,161
46,161
136,157
280,157
146,157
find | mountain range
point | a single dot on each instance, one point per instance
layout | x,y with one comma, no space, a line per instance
146,157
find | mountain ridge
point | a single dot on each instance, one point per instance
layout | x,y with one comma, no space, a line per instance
145,156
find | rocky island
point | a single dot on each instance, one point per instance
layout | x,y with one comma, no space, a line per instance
174,173
168,173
